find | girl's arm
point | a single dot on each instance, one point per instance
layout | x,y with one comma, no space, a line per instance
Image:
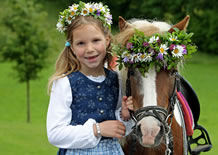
59,115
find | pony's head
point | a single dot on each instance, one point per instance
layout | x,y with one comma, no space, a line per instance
154,88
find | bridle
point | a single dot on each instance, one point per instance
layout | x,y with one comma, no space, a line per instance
164,116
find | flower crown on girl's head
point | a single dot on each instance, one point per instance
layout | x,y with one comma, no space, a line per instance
159,50
97,10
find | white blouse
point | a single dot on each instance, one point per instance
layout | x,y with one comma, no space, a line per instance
59,115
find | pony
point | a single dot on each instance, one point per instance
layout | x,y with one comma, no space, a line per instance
159,125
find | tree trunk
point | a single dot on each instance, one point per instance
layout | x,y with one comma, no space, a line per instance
28,100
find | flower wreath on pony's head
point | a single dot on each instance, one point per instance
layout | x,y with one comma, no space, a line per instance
97,10
160,50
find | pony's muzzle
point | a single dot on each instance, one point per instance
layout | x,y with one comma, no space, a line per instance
150,131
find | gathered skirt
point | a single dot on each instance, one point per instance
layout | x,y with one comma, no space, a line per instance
104,147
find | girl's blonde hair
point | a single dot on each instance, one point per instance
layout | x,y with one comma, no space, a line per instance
67,61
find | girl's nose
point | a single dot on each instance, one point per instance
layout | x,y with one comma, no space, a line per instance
89,47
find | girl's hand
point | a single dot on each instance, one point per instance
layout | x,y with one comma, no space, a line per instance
127,104
112,128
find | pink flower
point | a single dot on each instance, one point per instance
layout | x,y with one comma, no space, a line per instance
129,46
172,47
145,44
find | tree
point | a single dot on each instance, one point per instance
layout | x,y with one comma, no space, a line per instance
24,43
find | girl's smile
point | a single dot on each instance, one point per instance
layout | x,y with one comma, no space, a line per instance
92,58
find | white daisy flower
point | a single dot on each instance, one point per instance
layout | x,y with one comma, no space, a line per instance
134,58
69,19
153,39
90,7
178,51
125,54
142,57
84,12
74,8
60,27
163,48
148,58
100,7
173,38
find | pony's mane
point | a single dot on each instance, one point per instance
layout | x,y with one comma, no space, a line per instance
148,27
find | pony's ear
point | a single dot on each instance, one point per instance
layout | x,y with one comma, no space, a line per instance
122,23
182,25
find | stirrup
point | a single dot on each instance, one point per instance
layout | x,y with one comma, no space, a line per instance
202,141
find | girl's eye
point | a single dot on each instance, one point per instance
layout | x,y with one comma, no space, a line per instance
96,40
80,43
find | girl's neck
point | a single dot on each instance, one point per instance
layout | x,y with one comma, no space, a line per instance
95,72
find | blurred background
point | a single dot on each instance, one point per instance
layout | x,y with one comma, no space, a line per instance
30,26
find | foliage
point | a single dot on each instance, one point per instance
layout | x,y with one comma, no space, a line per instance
204,25
159,50
25,43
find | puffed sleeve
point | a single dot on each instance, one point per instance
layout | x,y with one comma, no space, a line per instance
59,114
130,123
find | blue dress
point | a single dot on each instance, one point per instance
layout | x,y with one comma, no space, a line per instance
97,101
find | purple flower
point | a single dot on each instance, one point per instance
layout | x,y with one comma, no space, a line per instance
172,47
160,56
125,59
145,44
184,51
129,46
98,13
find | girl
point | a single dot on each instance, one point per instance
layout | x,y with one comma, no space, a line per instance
85,115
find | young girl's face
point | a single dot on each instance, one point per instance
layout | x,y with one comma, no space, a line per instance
89,46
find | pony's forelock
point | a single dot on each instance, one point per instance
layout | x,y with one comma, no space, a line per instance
149,27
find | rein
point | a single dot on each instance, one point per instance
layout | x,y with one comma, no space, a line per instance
159,113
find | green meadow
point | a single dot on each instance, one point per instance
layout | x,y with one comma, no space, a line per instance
20,138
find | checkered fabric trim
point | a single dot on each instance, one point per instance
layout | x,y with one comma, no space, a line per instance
105,147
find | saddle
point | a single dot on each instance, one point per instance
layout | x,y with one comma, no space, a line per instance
191,111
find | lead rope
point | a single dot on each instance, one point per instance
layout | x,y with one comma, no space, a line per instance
132,148
128,90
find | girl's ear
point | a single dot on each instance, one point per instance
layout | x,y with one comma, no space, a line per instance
108,40
123,24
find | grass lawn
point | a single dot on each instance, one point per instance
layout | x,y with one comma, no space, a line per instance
202,72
